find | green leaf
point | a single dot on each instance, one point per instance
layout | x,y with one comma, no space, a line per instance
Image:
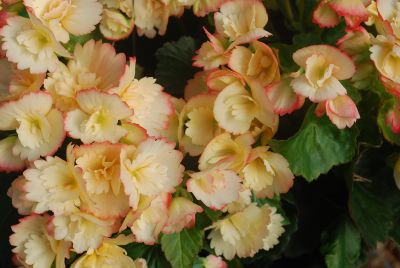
285,53
182,248
374,199
342,245
317,146
174,65
154,256
368,109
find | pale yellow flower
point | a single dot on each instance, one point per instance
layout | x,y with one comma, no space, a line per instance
17,193
171,133
64,17
258,62
216,188
51,184
197,126
241,233
267,173
34,246
235,108
29,44
324,67
275,229
227,152
181,214
385,53
152,106
151,17
108,255
98,166
39,127
242,20
150,169
85,231
95,65
220,79
115,25
97,118
202,7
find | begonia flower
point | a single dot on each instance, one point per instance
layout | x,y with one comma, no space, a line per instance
242,20
152,106
31,45
216,188
219,79
342,111
51,184
97,118
108,255
385,53
17,193
235,107
258,62
34,246
85,231
267,173
151,17
197,125
115,25
62,17
197,85
227,151
241,233
181,214
150,169
39,127
324,67
95,65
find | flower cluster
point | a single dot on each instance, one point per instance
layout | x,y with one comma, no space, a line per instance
120,178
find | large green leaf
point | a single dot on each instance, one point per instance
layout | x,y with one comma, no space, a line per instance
317,146
174,65
342,245
182,248
374,199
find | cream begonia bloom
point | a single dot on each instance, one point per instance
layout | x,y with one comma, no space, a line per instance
99,167
181,214
152,106
197,126
150,169
241,233
108,255
242,20
342,111
85,231
389,11
95,65
14,82
256,62
212,261
149,221
235,108
324,66
151,16
17,193
212,53
31,45
39,127
267,173
52,185
34,246
97,118
202,7
63,17
385,53
116,24
216,188
240,204
226,151
171,133
275,229
219,79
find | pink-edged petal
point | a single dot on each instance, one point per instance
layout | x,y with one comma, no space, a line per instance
325,16
332,55
254,34
342,111
283,98
349,7
8,161
219,79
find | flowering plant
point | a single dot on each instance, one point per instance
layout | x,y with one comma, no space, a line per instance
269,132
